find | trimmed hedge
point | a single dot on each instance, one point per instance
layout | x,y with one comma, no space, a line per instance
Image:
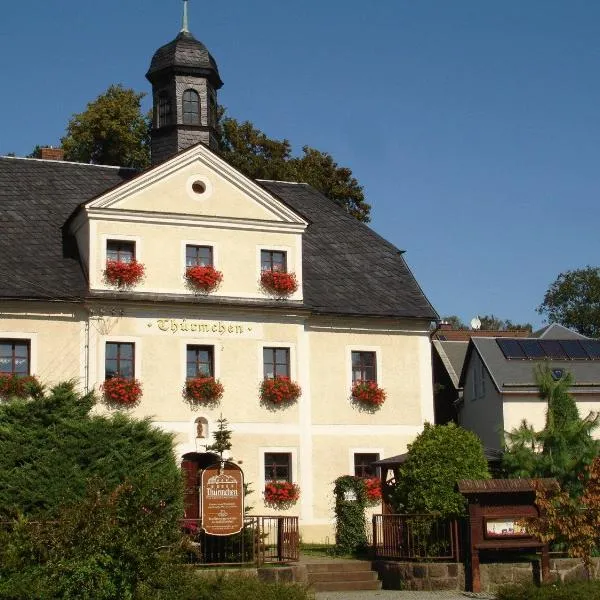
584,590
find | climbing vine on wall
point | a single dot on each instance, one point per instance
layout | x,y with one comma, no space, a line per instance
350,501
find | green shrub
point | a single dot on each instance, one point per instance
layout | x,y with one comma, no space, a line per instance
350,524
439,457
584,590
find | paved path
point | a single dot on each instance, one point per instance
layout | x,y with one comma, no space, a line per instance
400,595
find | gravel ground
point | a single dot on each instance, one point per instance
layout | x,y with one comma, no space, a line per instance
400,595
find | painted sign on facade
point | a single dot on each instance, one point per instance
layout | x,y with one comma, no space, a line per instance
222,499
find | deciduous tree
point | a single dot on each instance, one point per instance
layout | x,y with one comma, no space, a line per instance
573,300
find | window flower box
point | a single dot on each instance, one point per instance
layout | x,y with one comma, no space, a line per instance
281,494
279,390
13,385
123,274
373,490
205,279
278,283
199,391
368,393
121,391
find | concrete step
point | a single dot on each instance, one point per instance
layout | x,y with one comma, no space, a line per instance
345,586
338,566
342,576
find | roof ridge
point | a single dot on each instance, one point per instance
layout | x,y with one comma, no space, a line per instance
280,181
68,162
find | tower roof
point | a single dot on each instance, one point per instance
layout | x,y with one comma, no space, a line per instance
186,55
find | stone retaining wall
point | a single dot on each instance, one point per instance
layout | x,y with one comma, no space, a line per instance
451,576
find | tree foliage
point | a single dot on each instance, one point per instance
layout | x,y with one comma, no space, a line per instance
439,457
564,448
350,524
260,157
490,322
573,300
111,131
573,521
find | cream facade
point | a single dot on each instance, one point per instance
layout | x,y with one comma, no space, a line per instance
321,433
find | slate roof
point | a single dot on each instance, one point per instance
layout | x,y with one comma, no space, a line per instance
554,331
347,268
519,375
494,486
36,198
491,455
187,55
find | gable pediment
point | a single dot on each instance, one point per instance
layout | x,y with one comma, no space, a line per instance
197,184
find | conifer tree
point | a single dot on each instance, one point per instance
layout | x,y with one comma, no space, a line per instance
222,438
565,447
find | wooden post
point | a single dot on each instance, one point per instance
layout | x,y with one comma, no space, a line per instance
545,563
475,575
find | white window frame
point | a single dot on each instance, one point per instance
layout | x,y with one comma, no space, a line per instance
32,338
217,349
292,450
212,244
378,364
353,451
291,347
120,339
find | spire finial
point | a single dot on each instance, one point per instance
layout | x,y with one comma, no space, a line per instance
184,23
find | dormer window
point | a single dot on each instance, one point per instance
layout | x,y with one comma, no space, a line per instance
191,108
164,109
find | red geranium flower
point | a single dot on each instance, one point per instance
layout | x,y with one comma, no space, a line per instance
278,283
279,390
122,391
13,385
373,490
123,274
202,390
368,392
203,278
281,494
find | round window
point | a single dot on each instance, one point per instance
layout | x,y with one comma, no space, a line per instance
198,187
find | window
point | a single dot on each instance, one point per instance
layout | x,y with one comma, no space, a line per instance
120,251
119,360
364,366
164,109
363,464
276,362
273,260
198,256
191,108
200,361
278,466
14,356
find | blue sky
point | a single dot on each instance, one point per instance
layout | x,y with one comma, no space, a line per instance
473,125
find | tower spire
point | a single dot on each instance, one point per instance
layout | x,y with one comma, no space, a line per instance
184,22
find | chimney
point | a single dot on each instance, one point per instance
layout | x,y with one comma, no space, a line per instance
445,326
52,153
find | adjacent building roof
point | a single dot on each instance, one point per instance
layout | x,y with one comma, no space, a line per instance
491,455
347,268
452,355
554,331
519,375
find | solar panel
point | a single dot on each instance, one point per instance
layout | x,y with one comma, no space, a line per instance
574,349
532,349
553,349
510,348
592,347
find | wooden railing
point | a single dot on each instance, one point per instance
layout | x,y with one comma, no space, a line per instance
264,539
415,537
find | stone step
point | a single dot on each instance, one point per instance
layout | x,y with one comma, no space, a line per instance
345,586
342,576
328,567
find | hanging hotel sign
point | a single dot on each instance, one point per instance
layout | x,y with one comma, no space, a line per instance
222,499
213,328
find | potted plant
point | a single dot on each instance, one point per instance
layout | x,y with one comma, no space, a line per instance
202,390
123,274
281,494
279,390
368,393
203,278
121,391
13,385
278,283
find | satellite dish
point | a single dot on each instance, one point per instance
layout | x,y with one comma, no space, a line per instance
475,323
